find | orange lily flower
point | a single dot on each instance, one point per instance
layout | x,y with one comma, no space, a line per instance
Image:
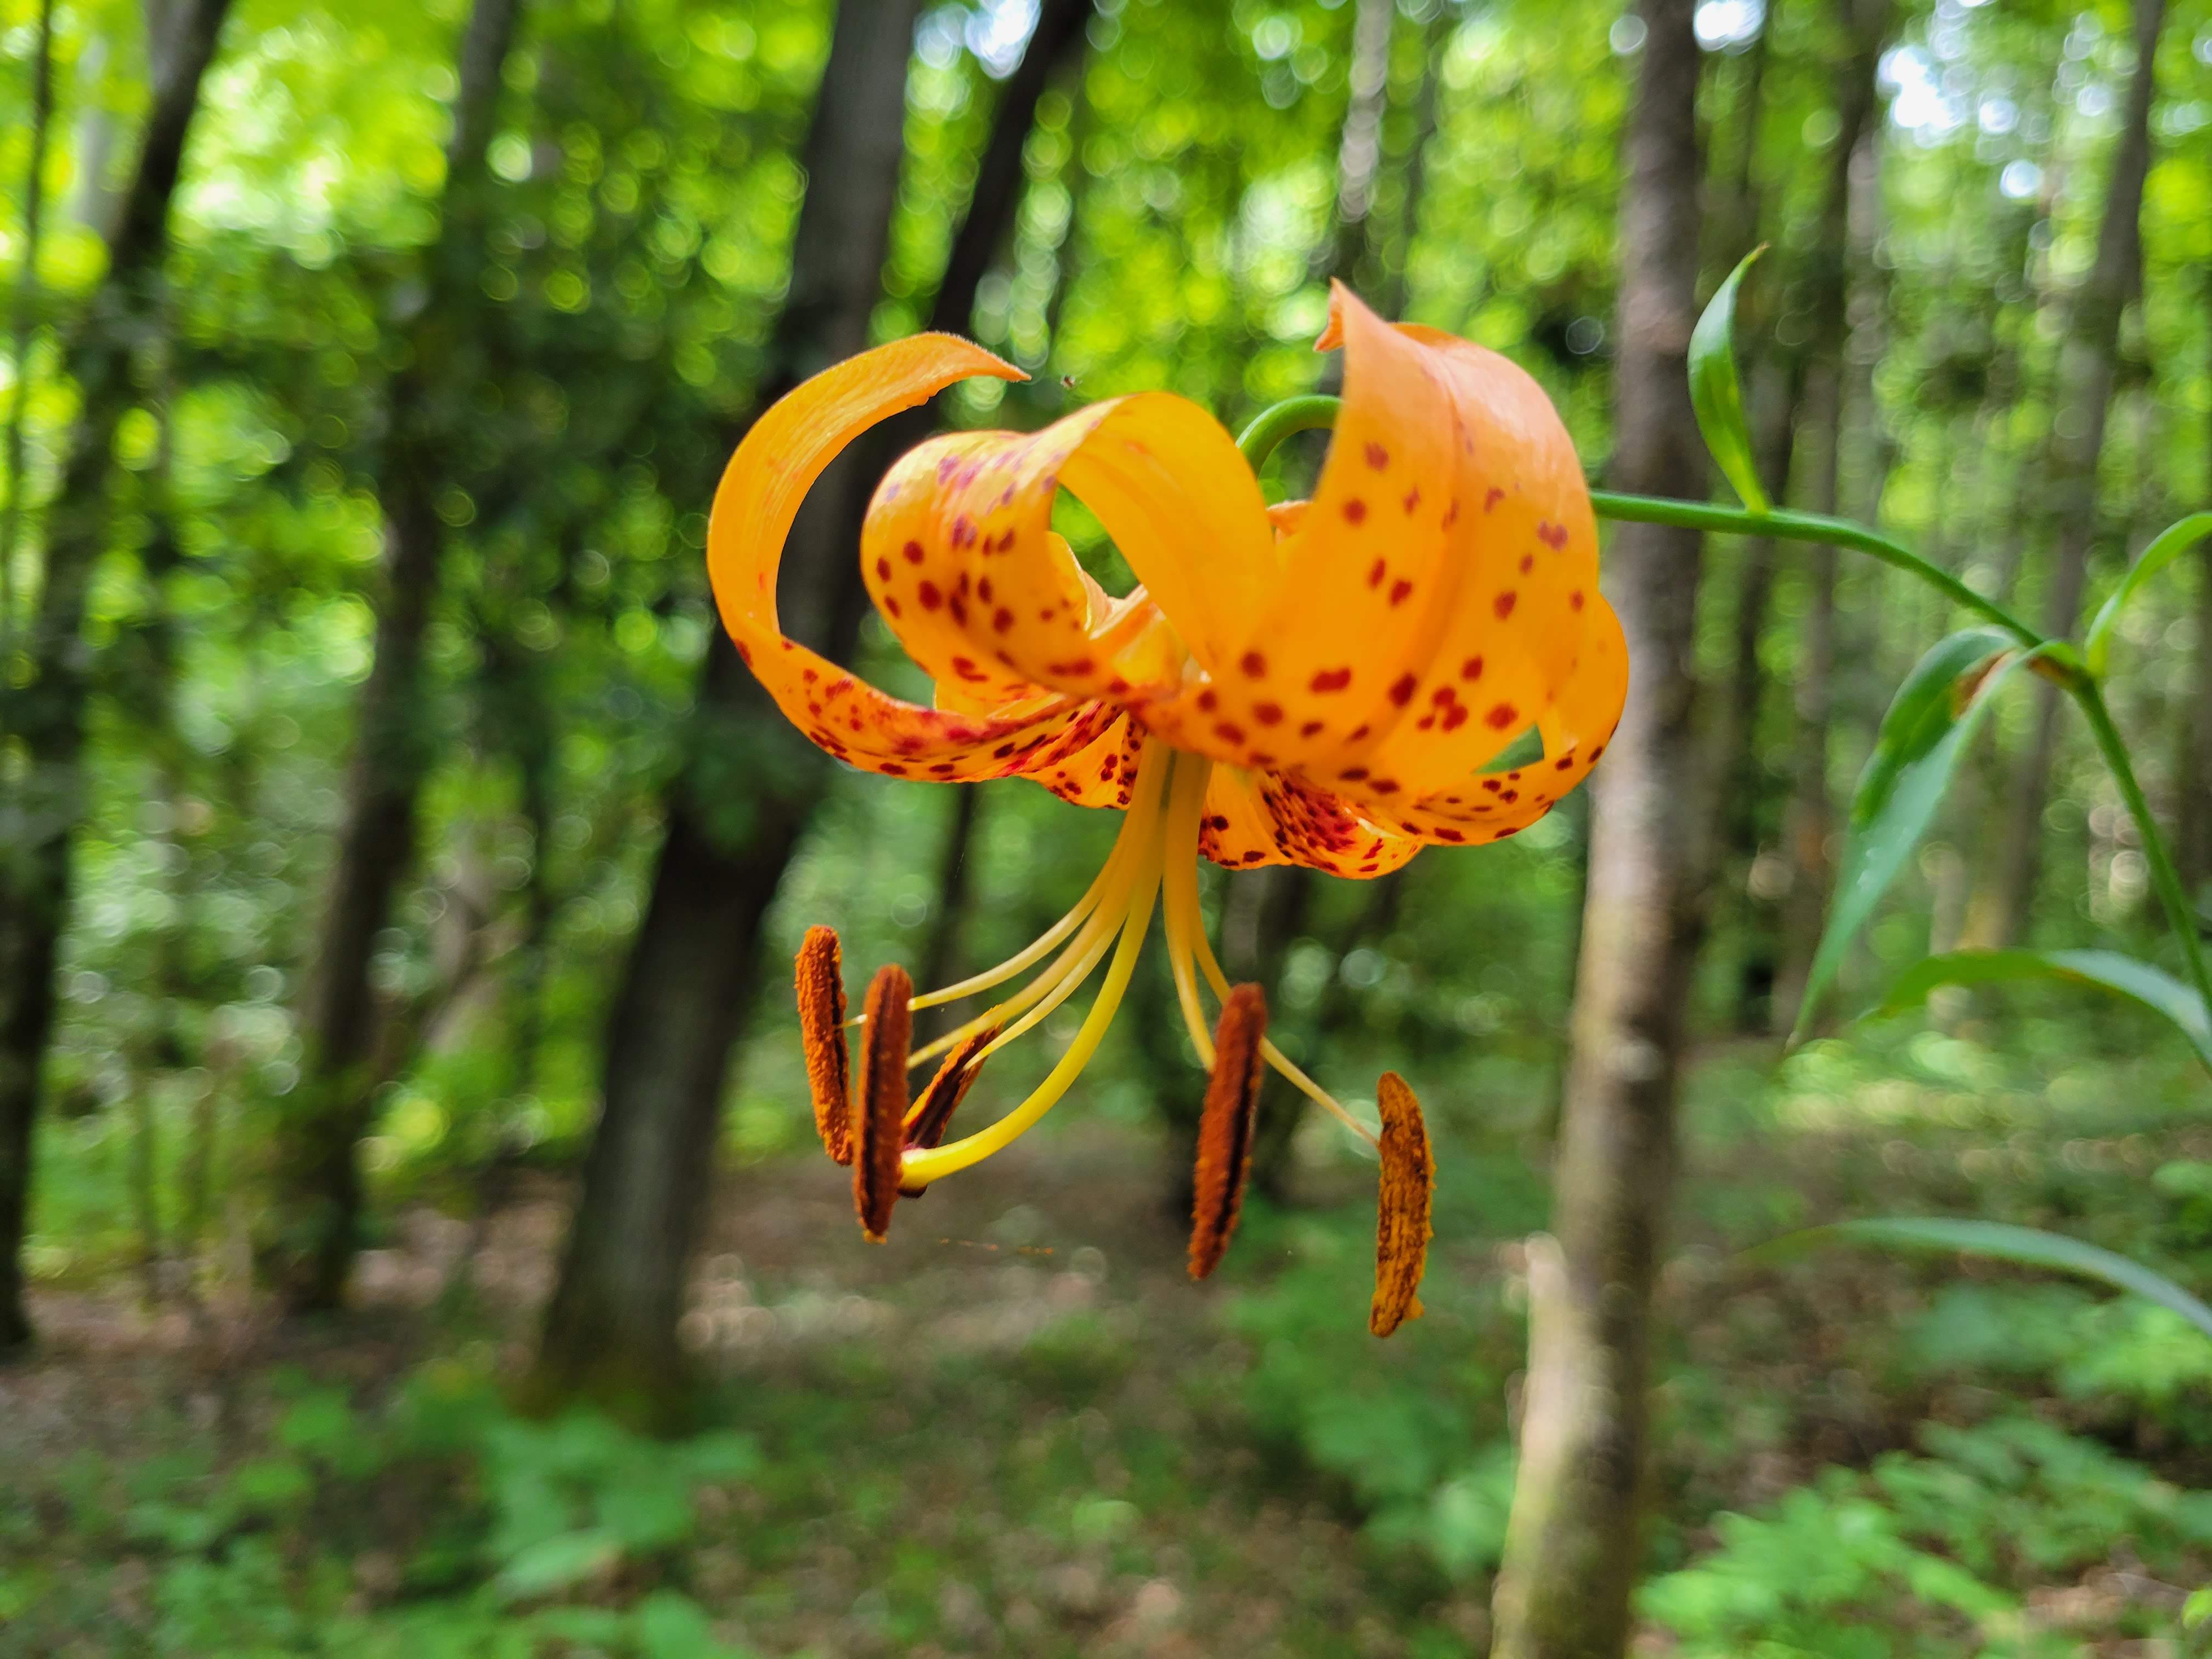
1328,683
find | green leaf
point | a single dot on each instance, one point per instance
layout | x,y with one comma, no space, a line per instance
557,1563
2027,1246
1717,394
1937,708
2108,970
2168,546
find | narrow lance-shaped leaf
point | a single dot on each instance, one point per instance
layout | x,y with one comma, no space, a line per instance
1717,394
2027,1246
1937,708
2108,970
2168,546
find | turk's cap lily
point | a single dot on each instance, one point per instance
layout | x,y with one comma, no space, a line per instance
1329,683
1354,664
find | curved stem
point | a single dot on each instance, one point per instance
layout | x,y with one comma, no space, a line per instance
1283,420
2180,914
1809,527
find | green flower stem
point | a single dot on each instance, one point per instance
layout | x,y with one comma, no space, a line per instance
1280,420
1810,527
2180,914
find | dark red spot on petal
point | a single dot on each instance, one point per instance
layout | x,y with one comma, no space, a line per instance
1355,510
1471,669
1254,665
1332,679
1575,600
1207,700
883,570
1267,714
913,552
1399,590
1377,457
1401,693
1311,728
931,598
1002,619
1503,603
1376,574
1501,716
1228,732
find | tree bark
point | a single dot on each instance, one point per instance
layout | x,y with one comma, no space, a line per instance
1574,1538
42,803
1809,822
2086,363
308,1229
2193,842
1359,150
694,968
27,312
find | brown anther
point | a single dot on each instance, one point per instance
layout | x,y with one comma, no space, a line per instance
822,1032
929,1117
1224,1128
1402,1219
879,1126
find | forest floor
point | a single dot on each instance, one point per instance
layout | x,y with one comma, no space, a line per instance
1019,1429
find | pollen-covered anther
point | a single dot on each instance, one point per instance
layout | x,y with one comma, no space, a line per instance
1402,1220
1226,1127
879,1124
821,978
932,1114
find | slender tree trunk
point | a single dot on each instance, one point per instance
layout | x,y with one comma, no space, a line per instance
1575,1536
1428,104
1808,823
309,1226
26,314
42,805
2085,362
694,968
1740,775
1359,150
2193,842
937,963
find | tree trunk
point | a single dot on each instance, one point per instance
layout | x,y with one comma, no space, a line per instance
2085,362
308,1229
41,803
1575,1536
694,968
1740,777
2193,840
1808,823
937,964
27,312
1359,150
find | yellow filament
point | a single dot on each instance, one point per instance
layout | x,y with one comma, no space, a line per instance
1183,918
1186,802
1138,834
1032,953
928,1166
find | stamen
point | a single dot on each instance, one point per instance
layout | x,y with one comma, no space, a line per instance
879,1127
1134,915
1402,1204
821,1031
1273,1056
1179,880
1224,1129
1138,836
1035,951
932,1114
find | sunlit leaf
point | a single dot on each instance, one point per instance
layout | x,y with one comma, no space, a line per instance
2168,546
2108,970
1937,708
2028,1247
1718,393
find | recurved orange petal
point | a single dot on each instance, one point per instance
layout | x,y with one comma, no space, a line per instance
760,494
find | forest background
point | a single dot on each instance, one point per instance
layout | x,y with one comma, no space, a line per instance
412,1232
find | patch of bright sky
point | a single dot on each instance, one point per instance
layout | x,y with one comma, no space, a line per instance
996,31
1728,24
